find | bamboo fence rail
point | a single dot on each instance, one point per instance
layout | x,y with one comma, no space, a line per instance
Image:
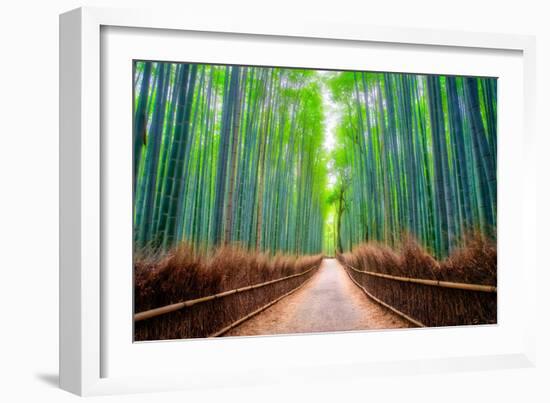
391,308
257,311
151,313
435,283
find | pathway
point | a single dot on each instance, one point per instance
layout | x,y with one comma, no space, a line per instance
329,302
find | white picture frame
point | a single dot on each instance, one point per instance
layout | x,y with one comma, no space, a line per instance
89,325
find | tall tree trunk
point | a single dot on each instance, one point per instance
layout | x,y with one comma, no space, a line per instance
233,160
152,158
225,132
440,162
485,164
140,119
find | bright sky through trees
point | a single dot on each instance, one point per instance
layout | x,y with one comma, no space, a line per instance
331,121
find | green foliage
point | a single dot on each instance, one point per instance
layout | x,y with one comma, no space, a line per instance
237,155
237,158
421,153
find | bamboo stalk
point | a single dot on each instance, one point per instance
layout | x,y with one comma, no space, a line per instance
436,283
151,313
257,311
391,308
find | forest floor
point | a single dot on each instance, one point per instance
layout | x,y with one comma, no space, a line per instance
329,302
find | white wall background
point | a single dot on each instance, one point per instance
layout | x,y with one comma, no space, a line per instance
29,196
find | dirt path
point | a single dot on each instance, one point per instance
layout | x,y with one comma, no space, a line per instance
328,302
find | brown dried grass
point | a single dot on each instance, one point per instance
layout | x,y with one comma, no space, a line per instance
185,274
475,263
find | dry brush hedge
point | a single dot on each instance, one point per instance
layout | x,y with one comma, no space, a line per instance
475,263
184,275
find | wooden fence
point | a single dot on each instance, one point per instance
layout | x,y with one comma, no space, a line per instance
151,313
488,291
435,283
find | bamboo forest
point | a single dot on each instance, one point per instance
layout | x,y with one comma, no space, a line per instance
302,163
228,154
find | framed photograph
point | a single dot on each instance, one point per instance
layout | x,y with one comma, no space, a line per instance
236,198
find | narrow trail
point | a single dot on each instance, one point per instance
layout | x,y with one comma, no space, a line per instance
328,302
